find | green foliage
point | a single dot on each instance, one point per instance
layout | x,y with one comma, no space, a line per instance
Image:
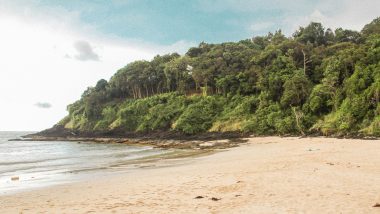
372,28
199,117
374,128
314,33
236,113
270,119
161,116
318,81
342,35
108,116
296,90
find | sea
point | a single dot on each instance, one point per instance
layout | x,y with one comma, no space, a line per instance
25,165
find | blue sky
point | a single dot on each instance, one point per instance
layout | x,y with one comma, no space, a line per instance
167,21
163,22
52,50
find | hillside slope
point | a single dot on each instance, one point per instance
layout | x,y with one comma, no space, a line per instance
318,81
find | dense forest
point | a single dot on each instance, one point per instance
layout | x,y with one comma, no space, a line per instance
318,81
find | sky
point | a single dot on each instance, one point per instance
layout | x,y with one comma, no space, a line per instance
52,50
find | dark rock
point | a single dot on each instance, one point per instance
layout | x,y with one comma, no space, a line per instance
215,199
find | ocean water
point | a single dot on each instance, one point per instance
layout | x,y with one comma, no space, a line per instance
44,163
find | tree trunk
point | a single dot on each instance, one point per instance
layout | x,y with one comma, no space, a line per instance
146,91
298,117
305,62
205,89
134,92
151,90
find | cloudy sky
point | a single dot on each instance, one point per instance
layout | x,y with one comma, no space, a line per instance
52,50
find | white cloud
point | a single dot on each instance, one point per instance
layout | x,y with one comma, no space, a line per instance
181,47
36,47
43,105
261,27
85,51
289,15
348,14
253,6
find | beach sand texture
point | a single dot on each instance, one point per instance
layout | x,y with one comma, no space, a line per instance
265,175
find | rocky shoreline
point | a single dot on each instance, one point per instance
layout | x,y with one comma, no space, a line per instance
166,140
162,139
156,143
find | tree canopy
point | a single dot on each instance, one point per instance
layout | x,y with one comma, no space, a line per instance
319,80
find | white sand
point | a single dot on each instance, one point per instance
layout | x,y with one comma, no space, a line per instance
268,175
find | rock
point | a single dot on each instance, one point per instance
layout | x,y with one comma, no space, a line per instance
215,199
208,144
376,205
15,178
199,197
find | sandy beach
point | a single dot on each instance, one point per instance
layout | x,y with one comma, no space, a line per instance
265,175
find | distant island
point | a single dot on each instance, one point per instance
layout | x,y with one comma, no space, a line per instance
317,82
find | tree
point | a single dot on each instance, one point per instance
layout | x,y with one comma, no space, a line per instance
296,90
177,75
347,36
372,28
313,33
101,85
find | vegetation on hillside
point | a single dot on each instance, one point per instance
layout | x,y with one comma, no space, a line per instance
318,81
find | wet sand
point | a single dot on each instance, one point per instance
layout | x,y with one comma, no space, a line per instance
265,175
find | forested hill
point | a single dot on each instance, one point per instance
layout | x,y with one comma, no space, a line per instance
319,81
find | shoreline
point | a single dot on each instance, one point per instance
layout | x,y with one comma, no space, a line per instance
176,157
156,143
210,141
265,175
21,182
